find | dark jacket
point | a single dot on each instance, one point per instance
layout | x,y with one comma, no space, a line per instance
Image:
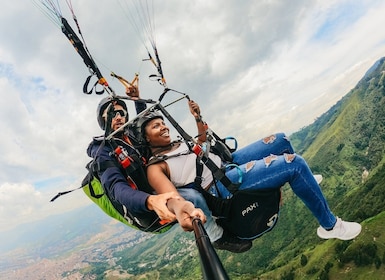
113,179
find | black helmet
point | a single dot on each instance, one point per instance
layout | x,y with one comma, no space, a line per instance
142,122
103,104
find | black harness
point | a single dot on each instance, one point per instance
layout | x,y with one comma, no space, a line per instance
248,214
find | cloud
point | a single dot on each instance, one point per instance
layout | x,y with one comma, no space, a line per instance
23,203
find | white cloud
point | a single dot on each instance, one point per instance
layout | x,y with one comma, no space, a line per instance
23,203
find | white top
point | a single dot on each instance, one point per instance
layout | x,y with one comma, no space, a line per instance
183,167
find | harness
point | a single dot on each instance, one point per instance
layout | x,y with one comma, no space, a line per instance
248,214
132,165
218,173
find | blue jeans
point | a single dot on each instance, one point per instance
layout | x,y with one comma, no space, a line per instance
270,163
213,230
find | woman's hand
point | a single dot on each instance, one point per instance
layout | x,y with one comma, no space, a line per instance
158,203
196,112
185,214
194,109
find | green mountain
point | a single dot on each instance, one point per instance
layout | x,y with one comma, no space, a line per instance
346,145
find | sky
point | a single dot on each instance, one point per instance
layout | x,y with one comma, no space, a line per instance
255,68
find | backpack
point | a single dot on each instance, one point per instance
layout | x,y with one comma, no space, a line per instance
248,214
92,187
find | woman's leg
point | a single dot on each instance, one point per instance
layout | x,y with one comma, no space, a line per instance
273,172
276,144
213,230
220,239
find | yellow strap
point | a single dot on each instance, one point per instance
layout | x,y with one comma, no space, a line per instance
126,83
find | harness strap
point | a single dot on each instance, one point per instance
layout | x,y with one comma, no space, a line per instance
219,174
93,88
94,167
199,171
158,158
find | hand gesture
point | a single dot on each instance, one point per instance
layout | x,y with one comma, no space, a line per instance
132,91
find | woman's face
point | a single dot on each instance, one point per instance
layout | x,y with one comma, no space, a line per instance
157,133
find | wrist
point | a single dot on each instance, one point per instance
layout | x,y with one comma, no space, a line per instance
149,203
188,206
198,119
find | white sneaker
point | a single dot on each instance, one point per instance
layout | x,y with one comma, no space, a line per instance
318,178
342,230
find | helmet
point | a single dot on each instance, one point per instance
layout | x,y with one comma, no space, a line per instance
103,104
143,121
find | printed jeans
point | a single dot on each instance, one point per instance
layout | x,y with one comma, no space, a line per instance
270,163
213,230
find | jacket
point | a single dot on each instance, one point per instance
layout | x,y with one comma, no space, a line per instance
113,179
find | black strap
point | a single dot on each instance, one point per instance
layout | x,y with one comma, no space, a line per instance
220,207
158,158
96,166
86,84
91,188
62,193
88,179
219,174
199,171
133,158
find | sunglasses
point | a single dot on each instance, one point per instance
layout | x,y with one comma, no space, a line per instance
122,113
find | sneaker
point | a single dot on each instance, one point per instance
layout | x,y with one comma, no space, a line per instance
318,178
341,230
232,244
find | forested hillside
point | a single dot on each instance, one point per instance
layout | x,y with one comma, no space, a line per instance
347,146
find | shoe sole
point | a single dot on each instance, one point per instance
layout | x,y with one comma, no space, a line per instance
337,237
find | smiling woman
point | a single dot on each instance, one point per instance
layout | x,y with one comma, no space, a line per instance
264,165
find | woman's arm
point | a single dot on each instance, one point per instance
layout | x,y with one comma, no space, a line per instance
195,111
183,210
158,177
